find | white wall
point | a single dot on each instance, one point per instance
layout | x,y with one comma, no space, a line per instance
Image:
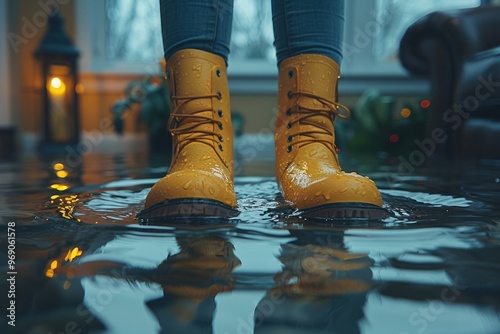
6,119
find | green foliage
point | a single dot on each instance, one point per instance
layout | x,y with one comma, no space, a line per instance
382,123
150,96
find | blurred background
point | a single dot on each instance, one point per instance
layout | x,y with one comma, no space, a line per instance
120,95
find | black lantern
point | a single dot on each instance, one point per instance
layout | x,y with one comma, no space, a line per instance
58,59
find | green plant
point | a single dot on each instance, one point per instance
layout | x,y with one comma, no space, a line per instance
382,123
150,96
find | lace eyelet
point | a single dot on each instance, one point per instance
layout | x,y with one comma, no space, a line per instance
289,94
220,113
289,112
289,125
289,149
221,148
221,139
290,74
219,95
289,139
221,127
218,73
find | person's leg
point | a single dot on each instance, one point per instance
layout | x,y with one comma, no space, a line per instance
199,181
313,27
308,40
196,24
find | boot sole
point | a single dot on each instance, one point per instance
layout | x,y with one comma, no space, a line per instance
344,211
185,209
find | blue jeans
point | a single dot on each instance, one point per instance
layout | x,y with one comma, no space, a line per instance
300,26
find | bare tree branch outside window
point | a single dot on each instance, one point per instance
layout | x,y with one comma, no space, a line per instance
133,30
252,36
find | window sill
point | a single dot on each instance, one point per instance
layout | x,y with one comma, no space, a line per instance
350,84
266,84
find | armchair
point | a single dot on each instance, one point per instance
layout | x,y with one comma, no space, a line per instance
459,52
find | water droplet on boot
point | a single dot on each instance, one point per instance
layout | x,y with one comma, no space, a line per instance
187,185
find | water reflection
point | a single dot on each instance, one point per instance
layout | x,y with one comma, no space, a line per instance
322,288
49,293
179,291
84,264
190,281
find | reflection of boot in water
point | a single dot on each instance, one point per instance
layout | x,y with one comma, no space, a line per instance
191,279
322,288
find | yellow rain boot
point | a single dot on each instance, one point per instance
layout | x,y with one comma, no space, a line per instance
307,165
200,178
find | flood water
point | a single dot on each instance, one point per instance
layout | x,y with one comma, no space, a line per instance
84,264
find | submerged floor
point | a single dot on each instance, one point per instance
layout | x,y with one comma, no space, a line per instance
85,265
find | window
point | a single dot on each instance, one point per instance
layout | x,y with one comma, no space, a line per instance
374,30
133,36
252,35
395,16
132,33
131,41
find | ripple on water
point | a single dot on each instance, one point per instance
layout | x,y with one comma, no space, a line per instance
385,273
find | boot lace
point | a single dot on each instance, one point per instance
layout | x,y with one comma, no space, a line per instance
329,109
188,127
